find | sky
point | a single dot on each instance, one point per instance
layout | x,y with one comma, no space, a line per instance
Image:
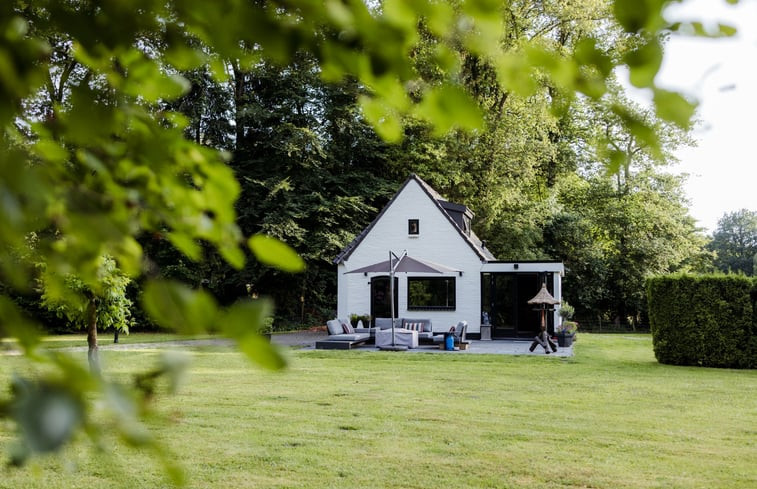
722,75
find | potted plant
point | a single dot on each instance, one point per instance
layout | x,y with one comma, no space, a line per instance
365,318
567,333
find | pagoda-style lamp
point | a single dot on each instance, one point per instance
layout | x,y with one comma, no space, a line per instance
544,300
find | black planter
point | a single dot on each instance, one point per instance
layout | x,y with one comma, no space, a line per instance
565,339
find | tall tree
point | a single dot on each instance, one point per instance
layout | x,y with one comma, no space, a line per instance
106,307
312,173
735,242
635,218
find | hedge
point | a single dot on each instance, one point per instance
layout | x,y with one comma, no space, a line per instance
705,320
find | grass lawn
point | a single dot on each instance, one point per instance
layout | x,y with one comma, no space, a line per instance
106,338
610,417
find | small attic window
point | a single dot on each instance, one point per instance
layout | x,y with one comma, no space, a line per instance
413,227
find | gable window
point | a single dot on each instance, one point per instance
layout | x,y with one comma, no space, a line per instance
413,227
431,293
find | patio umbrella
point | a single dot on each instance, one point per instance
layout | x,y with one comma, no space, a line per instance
543,299
405,264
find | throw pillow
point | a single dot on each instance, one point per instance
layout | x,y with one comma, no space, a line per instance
334,326
347,328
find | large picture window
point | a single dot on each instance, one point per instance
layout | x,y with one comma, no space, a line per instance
431,293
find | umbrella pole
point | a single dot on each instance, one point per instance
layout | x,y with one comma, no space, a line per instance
394,346
391,294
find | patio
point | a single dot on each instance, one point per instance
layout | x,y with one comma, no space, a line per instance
307,339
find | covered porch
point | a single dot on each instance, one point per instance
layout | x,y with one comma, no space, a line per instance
506,288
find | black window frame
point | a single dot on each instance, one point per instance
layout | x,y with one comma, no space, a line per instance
413,227
451,295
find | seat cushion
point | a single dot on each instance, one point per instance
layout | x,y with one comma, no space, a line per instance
349,337
383,323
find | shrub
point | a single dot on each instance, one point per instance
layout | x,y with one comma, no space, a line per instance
706,320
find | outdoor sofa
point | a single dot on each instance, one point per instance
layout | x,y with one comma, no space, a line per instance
342,336
422,326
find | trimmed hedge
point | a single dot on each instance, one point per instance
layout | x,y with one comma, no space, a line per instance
705,320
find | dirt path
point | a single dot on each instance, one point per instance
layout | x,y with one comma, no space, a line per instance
294,339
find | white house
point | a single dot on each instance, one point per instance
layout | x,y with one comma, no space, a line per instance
472,284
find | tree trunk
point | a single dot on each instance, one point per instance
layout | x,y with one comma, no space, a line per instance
92,354
238,84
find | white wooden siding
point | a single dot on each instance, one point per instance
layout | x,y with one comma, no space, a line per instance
439,241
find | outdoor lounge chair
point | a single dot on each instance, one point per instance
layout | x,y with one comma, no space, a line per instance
339,338
458,334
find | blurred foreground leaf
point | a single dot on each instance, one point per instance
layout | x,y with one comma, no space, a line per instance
47,415
275,253
243,322
175,306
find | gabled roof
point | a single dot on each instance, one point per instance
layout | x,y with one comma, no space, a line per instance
476,244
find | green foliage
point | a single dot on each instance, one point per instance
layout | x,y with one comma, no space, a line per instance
569,327
735,242
566,310
705,320
71,301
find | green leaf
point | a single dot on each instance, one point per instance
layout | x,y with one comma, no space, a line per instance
587,54
271,251
242,322
449,107
260,350
385,120
185,58
175,364
514,74
616,161
233,255
47,414
727,30
146,80
14,324
674,107
176,306
122,402
636,15
644,63
700,30
186,244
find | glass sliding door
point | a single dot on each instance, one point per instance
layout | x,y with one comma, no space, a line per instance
505,296
380,303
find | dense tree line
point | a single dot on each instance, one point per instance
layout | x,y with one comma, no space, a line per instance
314,173
550,175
